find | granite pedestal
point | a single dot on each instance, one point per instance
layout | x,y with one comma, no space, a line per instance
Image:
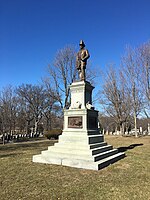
80,145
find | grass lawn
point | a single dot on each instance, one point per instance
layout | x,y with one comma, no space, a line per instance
128,178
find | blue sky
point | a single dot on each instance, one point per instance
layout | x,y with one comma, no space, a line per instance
31,32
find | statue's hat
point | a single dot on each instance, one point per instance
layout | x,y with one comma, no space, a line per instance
82,43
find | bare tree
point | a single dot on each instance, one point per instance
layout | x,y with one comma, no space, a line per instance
131,74
9,110
144,65
63,72
51,108
127,92
115,99
34,98
25,115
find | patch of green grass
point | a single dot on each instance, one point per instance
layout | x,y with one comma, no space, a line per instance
127,179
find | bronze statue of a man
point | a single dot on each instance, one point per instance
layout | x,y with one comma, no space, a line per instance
81,60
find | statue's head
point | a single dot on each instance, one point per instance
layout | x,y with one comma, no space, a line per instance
82,45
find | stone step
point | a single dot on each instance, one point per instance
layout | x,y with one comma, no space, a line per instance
78,161
66,155
66,150
83,132
78,145
71,145
78,151
47,160
101,152
94,139
101,149
105,154
92,146
80,133
93,132
90,139
110,160
85,164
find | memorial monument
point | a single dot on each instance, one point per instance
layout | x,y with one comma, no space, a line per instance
80,145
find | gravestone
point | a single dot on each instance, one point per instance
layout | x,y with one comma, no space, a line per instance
80,145
148,129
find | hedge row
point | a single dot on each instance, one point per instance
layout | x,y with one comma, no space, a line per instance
53,134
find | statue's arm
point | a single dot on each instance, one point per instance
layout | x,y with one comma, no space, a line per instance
78,61
87,55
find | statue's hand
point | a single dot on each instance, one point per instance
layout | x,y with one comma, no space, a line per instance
83,60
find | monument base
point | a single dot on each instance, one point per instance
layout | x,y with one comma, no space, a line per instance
81,151
80,145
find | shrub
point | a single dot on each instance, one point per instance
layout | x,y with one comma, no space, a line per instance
53,134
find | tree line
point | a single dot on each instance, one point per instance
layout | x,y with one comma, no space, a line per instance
28,106
39,107
124,95
126,91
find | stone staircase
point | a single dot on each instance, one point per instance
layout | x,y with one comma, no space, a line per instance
80,151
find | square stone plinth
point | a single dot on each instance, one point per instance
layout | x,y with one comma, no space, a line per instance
80,145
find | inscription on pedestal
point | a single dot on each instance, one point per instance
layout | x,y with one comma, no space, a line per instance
75,122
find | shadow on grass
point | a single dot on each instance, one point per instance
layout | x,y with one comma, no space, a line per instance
132,146
10,155
14,147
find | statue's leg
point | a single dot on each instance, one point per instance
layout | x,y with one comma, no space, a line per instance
82,74
83,77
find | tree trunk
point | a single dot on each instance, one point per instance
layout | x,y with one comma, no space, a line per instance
135,124
48,124
3,139
122,129
36,125
27,126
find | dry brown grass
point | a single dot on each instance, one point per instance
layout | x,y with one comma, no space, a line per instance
127,179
